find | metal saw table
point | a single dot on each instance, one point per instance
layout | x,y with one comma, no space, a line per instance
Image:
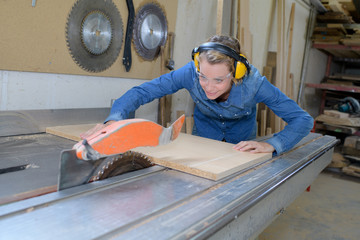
156,202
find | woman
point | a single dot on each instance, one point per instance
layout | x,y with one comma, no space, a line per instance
225,89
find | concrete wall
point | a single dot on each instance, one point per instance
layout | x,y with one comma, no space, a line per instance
196,21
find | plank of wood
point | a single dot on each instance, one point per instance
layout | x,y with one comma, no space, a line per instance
189,124
219,16
335,6
268,73
202,157
263,122
337,114
350,77
348,5
336,128
353,170
352,142
337,26
350,42
71,132
268,131
245,36
289,78
188,153
280,80
352,122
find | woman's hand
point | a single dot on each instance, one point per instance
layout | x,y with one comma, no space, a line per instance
93,130
254,147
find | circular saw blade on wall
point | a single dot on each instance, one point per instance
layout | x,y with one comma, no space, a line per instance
94,33
150,31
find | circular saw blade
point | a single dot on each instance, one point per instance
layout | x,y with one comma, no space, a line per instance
94,34
150,31
122,163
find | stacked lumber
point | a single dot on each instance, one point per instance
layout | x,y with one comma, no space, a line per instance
343,79
351,151
340,10
348,161
334,117
330,25
353,170
352,147
331,33
334,17
352,39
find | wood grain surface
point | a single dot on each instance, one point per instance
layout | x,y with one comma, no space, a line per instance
202,157
195,155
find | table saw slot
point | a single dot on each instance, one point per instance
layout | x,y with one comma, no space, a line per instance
14,169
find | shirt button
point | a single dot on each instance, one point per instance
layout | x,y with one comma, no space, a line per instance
223,123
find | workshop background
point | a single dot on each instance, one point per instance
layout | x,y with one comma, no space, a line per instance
310,49
38,72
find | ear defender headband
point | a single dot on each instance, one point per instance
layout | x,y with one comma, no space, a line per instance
241,64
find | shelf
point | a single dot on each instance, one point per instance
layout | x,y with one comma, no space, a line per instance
336,46
338,50
333,87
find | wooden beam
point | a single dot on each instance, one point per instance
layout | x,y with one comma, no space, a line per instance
280,59
219,16
289,85
164,109
263,123
189,123
245,36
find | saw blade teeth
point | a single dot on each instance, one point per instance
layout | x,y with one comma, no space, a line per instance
88,60
122,163
142,48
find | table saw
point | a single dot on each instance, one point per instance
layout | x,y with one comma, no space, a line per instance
150,203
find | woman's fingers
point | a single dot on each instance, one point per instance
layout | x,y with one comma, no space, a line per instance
254,147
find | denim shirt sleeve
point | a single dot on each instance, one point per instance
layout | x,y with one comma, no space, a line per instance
299,122
147,92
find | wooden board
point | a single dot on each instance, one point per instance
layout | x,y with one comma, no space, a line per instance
71,132
353,170
203,157
191,154
352,122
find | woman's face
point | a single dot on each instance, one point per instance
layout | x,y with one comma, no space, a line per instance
215,80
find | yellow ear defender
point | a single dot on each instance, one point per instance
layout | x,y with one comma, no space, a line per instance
241,64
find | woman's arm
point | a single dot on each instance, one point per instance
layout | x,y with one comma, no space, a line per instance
299,122
166,84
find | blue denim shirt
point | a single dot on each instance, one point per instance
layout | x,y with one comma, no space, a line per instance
233,120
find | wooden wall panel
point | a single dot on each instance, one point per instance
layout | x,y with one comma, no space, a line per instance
33,39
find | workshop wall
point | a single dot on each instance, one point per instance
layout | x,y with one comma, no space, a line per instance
25,86
33,39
